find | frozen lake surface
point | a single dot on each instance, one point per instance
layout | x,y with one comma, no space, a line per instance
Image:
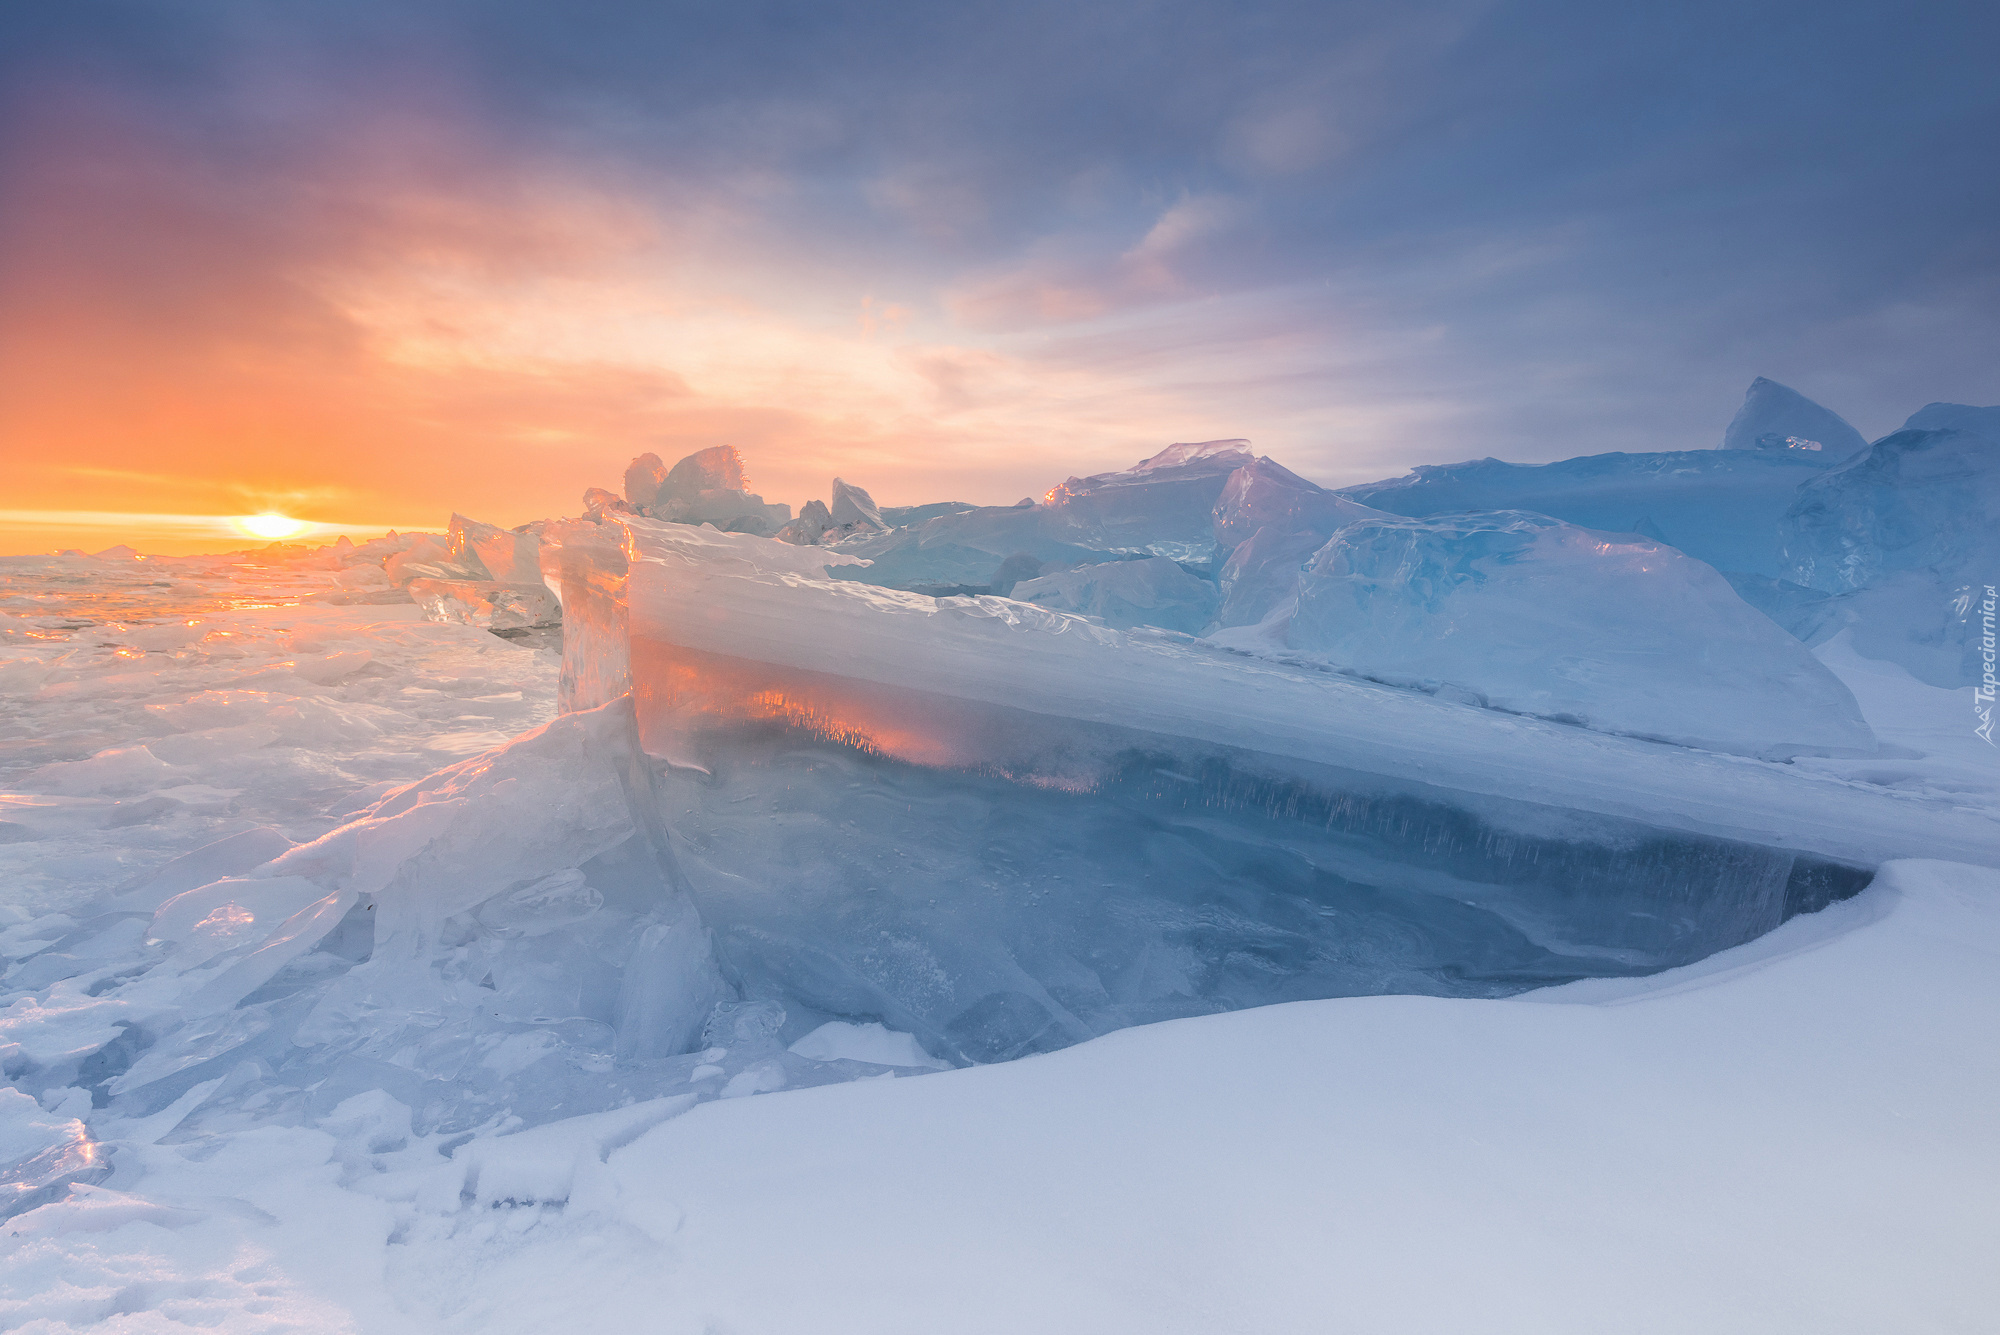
1389,1162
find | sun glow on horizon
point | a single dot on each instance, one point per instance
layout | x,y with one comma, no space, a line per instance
271,525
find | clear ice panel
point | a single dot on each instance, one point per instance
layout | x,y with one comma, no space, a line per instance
999,882
585,563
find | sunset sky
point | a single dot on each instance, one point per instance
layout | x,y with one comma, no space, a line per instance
367,263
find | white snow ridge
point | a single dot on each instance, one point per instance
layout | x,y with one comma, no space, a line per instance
1502,898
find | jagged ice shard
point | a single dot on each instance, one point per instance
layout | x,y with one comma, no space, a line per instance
1778,417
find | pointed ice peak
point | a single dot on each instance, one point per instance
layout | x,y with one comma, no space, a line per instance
813,522
1264,492
1981,422
1776,417
854,507
1188,452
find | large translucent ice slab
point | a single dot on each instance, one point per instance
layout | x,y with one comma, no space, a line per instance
1917,500
1540,617
725,626
583,562
1718,506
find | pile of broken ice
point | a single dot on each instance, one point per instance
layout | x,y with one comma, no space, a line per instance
871,788
474,574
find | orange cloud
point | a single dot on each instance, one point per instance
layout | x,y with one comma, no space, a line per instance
395,320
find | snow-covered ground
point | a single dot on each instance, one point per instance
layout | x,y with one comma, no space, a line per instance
1794,1135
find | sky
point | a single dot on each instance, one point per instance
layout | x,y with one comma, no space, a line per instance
367,263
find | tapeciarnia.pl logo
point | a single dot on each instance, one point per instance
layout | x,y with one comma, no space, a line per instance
1982,694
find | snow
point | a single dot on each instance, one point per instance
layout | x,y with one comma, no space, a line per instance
1930,745
1776,417
1544,618
836,1040
1793,1136
1712,1128
537,1166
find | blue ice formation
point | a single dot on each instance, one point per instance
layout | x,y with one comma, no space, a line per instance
1776,417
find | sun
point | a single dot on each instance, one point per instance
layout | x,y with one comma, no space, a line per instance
272,525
